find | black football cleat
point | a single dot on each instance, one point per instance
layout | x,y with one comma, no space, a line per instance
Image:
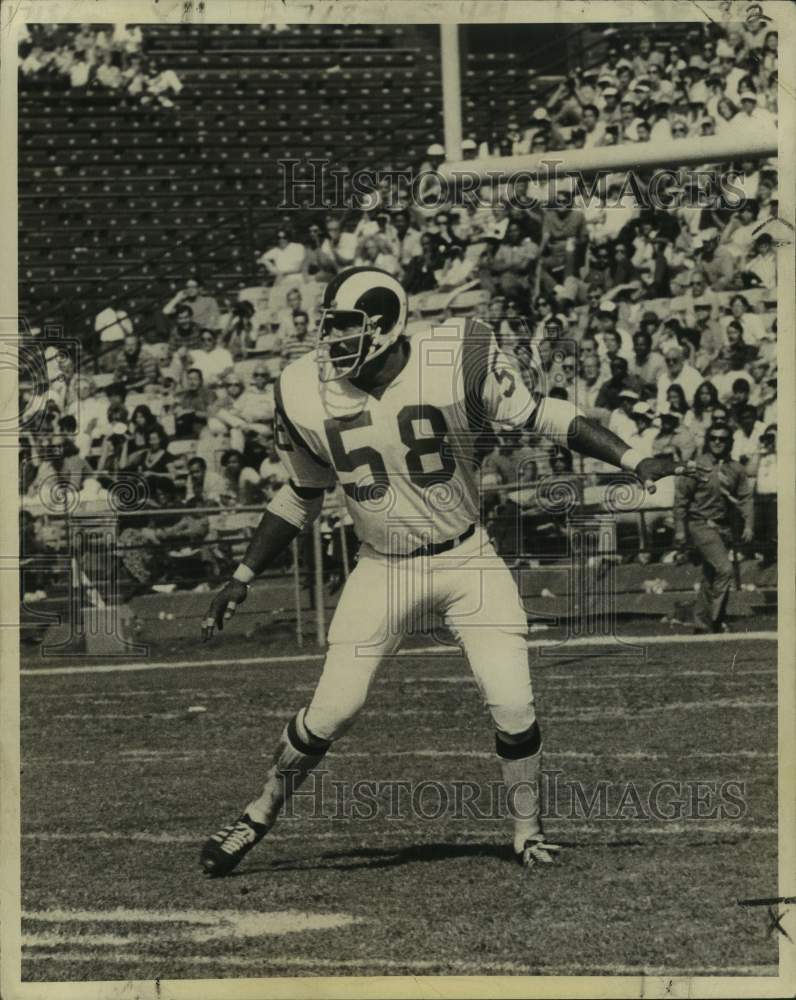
537,851
225,850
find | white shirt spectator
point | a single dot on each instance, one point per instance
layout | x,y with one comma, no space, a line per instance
128,37
689,380
748,447
282,261
79,73
112,325
212,364
109,76
344,251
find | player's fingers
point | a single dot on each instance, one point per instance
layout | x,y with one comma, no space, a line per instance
230,610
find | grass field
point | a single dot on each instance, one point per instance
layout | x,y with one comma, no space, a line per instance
122,783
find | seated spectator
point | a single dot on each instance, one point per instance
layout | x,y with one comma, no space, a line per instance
739,397
114,455
204,308
746,440
710,336
155,457
193,404
621,421
284,261
677,371
203,487
300,341
61,474
714,261
339,246
751,323
676,403
137,366
673,439
163,85
420,274
738,235
588,386
761,265
513,262
457,269
256,404
406,241
645,364
213,360
727,369
273,474
89,411
564,240
700,416
230,411
186,334
620,380
375,251
644,432
63,384
241,486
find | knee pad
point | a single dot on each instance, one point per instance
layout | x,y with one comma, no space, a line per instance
520,745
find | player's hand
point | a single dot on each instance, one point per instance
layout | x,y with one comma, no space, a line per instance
650,470
747,535
223,607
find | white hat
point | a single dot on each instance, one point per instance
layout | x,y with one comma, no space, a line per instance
540,115
469,144
642,408
610,90
747,95
629,394
607,306
435,150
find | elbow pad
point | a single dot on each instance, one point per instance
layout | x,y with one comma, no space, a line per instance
296,510
553,417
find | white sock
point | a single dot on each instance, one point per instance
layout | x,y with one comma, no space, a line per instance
521,778
289,770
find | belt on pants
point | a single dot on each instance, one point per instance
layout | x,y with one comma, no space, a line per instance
434,549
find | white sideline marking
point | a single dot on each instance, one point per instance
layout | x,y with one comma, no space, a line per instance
174,756
412,965
494,829
83,940
588,713
203,925
430,650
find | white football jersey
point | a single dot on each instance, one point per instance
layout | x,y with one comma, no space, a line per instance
406,459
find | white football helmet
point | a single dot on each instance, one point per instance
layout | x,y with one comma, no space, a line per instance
364,313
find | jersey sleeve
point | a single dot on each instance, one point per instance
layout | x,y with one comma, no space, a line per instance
494,386
304,467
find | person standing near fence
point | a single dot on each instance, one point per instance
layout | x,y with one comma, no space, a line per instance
705,510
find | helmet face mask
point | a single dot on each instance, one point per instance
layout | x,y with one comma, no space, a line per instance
364,313
344,341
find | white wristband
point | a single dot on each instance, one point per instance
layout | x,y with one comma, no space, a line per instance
243,574
631,459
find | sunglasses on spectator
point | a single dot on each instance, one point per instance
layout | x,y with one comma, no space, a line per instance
679,131
721,438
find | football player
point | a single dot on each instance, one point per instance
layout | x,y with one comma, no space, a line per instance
396,422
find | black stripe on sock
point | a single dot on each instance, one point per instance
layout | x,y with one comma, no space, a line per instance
530,744
315,749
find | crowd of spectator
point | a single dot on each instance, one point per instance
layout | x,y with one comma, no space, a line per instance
654,314
105,57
